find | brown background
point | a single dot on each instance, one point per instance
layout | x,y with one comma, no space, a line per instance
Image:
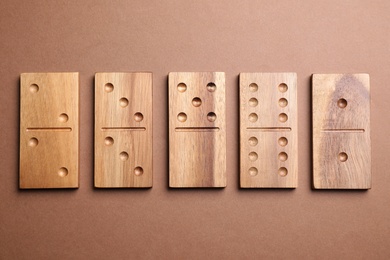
162,36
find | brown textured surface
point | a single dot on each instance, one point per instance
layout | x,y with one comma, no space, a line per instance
162,36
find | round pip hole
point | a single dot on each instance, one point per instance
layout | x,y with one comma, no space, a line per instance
211,87
34,88
123,102
181,87
342,103
62,172
182,117
282,171
211,116
253,102
124,156
343,157
282,141
253,87
283,87
253,141
138,117
283,156
63,118
283,117
253,117
108,141
138,171
253,171
196,102
253,156
33,142
108,87
283,102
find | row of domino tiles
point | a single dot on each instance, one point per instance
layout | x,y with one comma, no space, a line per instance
49,130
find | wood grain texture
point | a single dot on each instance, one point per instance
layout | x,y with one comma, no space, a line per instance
49,130
197,129
123,130
341,131
268,130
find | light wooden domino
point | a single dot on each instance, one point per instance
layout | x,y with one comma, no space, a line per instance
341,131
197,129
123,130
49,130
268,130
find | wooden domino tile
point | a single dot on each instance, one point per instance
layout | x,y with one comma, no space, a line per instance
197,129
268,130
123,130
49,130
341,131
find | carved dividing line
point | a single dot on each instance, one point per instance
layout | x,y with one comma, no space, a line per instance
342,130
54,129
269,129
123,128
197,129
